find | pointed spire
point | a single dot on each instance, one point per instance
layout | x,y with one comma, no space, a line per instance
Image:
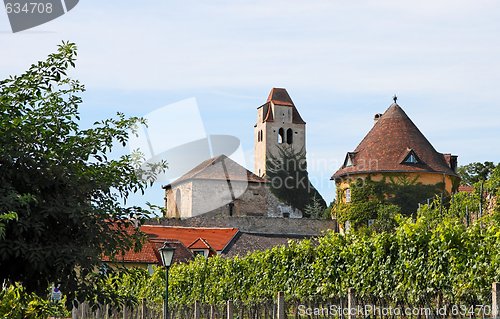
279,96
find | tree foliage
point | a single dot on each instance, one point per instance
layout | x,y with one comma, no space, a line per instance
56,177
287,172
17,303
383,200
475,172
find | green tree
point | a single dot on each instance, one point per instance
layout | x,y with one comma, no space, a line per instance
315,209
4,218
67,195
382,200
475,172
287,172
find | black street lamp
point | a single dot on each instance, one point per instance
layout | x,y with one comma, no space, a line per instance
167,255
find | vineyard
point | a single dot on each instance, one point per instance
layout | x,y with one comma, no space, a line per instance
431,261
440,259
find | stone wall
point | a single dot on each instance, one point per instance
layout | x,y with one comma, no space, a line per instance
255,224
198,197
178,201
269,144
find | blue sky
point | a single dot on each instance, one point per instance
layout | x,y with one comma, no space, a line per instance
341,62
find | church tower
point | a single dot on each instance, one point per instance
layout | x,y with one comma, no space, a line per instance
278,123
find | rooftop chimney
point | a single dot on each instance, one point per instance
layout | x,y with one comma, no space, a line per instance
376,118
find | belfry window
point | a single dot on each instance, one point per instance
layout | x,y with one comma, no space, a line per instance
281,136
289,136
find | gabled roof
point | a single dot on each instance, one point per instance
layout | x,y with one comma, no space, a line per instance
393,137
279,96
217,238
149,253
200,243
219,168
182,254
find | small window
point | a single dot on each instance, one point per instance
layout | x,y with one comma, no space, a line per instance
286,215
411,159
348,162
151,270
348,195
349,159
199,252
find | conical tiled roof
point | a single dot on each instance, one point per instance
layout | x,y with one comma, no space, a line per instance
394,144
279,96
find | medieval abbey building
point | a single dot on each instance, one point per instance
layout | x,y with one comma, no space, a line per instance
393,148
220,196
222,186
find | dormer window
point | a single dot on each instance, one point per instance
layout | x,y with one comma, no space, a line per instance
348,162
349,159
411,158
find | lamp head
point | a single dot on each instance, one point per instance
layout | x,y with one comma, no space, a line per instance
167,254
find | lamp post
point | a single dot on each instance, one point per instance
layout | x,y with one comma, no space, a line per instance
167,255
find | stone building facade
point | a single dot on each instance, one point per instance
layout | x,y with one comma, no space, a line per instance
222,186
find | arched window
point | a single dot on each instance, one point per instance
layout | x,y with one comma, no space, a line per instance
178,203
261,135
281,136
289,136
258,136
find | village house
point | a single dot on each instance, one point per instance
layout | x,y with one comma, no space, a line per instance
187,241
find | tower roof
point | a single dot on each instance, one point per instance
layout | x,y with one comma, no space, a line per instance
394,144
279,96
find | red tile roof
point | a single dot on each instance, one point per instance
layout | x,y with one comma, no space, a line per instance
149,253
219,168
385,147
217,238
279,96
466,189
199,243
